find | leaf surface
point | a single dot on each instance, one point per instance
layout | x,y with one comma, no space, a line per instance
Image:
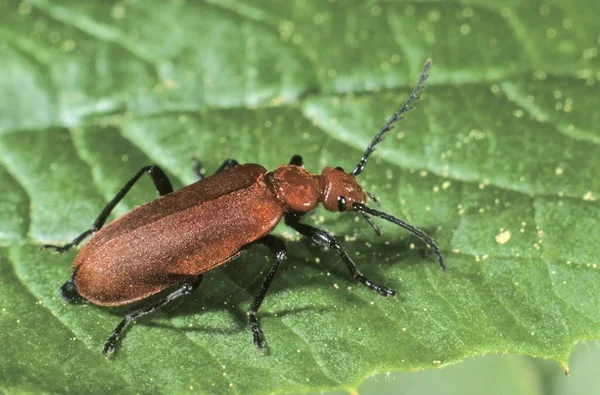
498,163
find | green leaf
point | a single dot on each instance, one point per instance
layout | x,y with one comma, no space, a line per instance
498,163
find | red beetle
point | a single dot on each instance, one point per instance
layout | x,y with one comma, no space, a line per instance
168,243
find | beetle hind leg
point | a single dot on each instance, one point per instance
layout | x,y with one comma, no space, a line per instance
185,289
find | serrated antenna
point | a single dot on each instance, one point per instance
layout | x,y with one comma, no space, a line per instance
414,96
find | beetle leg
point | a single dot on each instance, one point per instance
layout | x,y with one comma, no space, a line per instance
277,247
297,161
323,238
185,289
198,168
161,182
226,165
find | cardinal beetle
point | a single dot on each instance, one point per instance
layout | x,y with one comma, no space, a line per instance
168,243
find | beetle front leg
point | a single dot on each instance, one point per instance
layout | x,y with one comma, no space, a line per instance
323,238
277,247
161,182
185,289
226,165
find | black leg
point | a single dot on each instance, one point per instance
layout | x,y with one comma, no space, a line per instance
228,164
185,289
277,247
296,161
198,168
323,238
161,182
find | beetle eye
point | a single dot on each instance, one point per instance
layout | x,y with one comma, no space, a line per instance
341,203
340,169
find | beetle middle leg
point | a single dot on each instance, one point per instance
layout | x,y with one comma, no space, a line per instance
323,238
226,165
161,182
185,289
277,247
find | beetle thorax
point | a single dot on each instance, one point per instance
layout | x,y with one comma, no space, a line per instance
296,189
335,185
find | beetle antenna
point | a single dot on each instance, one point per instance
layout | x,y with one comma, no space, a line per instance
414,96
419,233
370,221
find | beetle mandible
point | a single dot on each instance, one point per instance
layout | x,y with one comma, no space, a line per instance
168,243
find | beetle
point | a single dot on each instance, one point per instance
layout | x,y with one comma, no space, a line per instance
165,245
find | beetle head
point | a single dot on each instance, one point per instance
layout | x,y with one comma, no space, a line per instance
339,191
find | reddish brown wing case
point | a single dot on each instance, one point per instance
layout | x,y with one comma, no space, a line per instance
176,237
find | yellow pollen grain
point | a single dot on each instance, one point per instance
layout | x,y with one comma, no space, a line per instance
503,237
589,196
559,171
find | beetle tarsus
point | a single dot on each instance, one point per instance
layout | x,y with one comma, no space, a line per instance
57,249
257,336
75,242
109,346
381,290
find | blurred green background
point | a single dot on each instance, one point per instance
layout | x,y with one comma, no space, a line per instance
495,375
499,163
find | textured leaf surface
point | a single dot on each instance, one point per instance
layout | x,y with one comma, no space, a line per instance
498,163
